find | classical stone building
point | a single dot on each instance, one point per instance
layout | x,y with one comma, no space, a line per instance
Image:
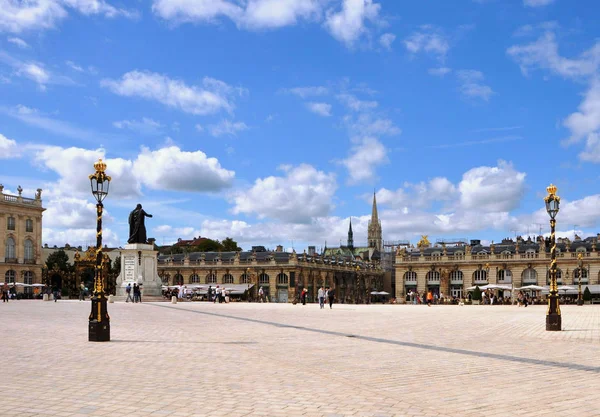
449,270
281,274
21,238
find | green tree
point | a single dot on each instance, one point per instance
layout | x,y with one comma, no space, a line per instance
60,259
230,245
208,245
116,265
477,294
587,294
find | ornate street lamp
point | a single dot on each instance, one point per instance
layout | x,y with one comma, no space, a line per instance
553,317
99,320
579,272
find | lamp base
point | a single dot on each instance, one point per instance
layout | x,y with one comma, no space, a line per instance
579,302
553,322
99,331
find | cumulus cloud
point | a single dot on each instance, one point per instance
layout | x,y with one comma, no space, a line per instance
386,40
212,97
172,169
430,40
20,16
8,148
348,24
78,237
586,121
472,86
225,127
300,195
322,109
71,213
365,155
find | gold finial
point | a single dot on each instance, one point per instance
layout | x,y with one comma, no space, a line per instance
579,256
100,166
551,189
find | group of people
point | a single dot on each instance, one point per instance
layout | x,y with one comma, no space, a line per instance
6,293
137,293
218,294
325,295
428,297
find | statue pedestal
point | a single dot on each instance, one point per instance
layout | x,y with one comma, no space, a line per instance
139,265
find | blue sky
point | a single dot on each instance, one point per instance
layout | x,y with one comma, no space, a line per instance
272,121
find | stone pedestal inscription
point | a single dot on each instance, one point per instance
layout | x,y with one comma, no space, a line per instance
139,265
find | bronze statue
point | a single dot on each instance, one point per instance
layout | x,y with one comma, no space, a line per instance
137,229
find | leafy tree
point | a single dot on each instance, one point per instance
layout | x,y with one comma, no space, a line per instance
208,245
116,265
60,259
230,245
587,294
477,294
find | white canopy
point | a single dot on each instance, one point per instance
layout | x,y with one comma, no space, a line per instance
492,287
531,287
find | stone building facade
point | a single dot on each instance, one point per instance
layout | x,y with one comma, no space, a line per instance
449,270
21,238
281,274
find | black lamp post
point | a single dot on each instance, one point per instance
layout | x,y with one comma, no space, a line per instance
99,320
553,317
579,272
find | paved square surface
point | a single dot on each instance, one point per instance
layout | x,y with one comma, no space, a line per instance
239,359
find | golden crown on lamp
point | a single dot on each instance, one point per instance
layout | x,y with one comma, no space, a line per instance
100,166
551,189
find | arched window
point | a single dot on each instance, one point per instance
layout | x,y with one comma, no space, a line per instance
580,249
246,279
456,276
480,275
263,279
227,279
194,279
410,276
29,226
10,249
211,279
504,275
529,276
282,279
178,279
9,277
28,250
433,276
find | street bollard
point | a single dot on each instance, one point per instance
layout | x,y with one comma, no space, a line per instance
174,299
111,299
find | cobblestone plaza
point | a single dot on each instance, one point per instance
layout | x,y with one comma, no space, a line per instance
238,359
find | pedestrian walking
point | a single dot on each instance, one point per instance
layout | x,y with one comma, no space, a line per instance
5,293
81,292
261,294
321,295
128,292
429,298
331,296
303,296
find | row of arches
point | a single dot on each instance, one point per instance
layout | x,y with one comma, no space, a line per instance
528,276
10,250
211,278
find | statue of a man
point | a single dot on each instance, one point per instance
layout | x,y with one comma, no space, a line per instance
137,229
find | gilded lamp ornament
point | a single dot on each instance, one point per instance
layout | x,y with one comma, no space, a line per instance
553,316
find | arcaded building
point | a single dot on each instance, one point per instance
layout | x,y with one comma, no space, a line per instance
449,269
21,238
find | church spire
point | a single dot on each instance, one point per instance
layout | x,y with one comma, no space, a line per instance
350,243
374,234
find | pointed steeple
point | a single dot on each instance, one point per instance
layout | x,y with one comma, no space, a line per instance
350,236
374,231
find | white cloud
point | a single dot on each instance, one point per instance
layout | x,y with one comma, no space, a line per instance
146,126
479,188
355,104
472,85
304,92
302,194
537,3
439,72
348,25
227,127
78,237
429,40
591,153
34,71
199,127
365,155
19,42
19,16
587,120
72,213
74,66
543,54
386,40
8,148
367,125
174,169
322,109
214,95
